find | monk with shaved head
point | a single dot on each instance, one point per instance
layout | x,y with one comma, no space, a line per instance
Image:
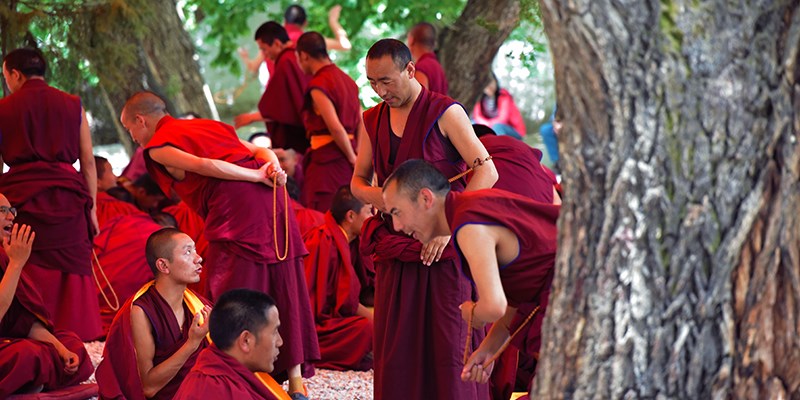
238,189
421,41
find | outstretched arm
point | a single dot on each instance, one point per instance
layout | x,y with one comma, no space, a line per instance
178,161
340,42
478,244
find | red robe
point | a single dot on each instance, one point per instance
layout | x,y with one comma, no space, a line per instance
191,224
109,208
26,362
519,169
216,375
120,250
419,334
239,230
39,140
429,65
118,374
307,219
507,113
345,338
282,102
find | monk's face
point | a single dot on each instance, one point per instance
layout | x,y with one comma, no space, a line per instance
270,51
184,265
14,79
360,217
107,179
137,127
410,214
391,83
265,350
7,215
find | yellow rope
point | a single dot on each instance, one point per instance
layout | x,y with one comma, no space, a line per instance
97,282
506,343
275,218
475,164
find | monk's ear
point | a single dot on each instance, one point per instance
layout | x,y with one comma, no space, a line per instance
245,341
411,68
350,216
426,196
162,266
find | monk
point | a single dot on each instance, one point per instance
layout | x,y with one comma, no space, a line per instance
33,357
221,178
508,244
155,339
344,326
105,174
43,131
281,105
418,335
244,327
421,40
332,118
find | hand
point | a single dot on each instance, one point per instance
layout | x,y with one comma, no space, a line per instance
70,360
18,246
334,13
432,251
475,369
243,54
467,308
199,327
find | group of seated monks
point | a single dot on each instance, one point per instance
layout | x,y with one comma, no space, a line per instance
403,239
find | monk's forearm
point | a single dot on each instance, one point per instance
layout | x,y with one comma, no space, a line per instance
365,312
341,139
40,333
367,193
228,171
160,375
484,176
8,286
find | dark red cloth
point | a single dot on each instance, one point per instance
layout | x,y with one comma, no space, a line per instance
191,224
217,375
518,168
282,102
342,91
507,113
365,271
109,207
239,228
429,65
345,338
118,374
27,363
135,167
326,170
120,250
307,219
419,334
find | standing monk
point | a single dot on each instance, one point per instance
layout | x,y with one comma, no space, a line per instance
253,237
43,131
332,117
281,105
421,41
508,244
418,331
32,356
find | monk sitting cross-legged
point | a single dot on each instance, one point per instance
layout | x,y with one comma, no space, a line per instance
156,337
32,356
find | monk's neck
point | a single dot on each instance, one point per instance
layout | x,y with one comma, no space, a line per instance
442,227
171,292
405,109
318,65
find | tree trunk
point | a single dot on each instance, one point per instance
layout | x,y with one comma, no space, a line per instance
468,47
678,271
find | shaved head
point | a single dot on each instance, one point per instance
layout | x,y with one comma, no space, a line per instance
144,103
160,244
424,34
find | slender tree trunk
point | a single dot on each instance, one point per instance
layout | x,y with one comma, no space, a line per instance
678,273
468,47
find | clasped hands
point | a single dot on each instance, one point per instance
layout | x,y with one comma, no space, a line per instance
270,172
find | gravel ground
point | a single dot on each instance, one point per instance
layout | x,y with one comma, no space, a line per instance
325,385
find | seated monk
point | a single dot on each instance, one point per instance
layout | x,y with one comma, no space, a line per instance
32,356
244,328
344,326
157,335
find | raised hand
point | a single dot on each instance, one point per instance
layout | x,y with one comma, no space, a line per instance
199,327
18,246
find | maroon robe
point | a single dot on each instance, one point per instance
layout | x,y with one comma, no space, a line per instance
216,375
519,169
307,219
118,373
345,339
326,168
40,140
120,251
419,333
282,102
239,229
429,65
27,363
365,271
109,207
135,167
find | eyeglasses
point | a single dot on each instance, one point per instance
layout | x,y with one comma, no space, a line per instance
5,210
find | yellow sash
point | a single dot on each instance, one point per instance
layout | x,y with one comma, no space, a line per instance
195,305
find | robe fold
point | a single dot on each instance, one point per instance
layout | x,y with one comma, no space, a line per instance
239,227
307,219
519,169
365,271
118,374
216,375
109,207
429,65
120,249
419,334
326,168
345,339
26,363
40,140
282,103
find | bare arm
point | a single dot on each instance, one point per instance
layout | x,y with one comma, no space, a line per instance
478,244
365,312
88,169
326,110
154,378
340,42
251,65
40,333
178,161
248,118
268,156
361,184
455,126
18,249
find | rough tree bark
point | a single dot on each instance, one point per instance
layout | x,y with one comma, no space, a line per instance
467,48
678,271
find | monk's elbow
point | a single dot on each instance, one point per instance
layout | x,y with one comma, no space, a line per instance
495,310
149,391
